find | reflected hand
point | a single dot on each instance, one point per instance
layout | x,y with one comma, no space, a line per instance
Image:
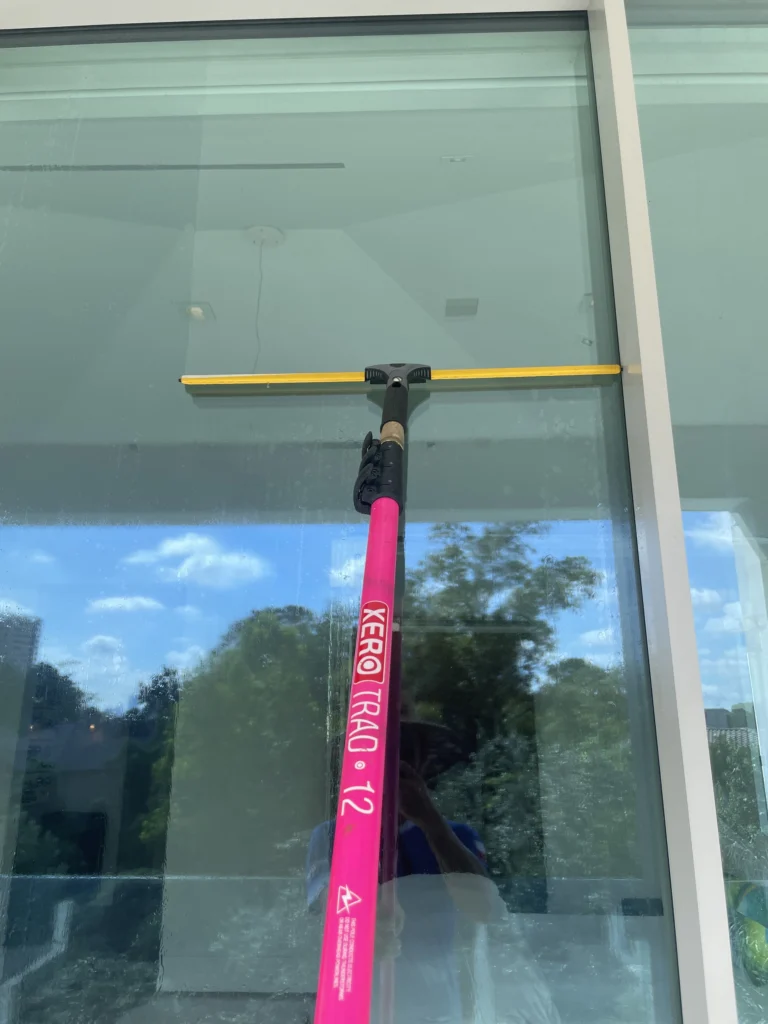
415,802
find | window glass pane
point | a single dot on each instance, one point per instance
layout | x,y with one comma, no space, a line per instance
295,204
703,104
180,575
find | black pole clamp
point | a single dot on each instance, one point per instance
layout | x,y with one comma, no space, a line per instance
381,469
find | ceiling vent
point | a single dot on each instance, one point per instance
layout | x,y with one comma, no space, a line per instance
457,308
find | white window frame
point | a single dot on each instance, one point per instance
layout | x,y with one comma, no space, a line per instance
698,895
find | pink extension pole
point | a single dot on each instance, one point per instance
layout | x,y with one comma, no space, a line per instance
346,962
346,959
390,815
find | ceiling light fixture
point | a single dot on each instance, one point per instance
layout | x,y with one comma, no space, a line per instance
199,312
265,235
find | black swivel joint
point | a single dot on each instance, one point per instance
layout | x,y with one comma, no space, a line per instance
397,377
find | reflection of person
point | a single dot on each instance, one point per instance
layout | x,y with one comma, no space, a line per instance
440,873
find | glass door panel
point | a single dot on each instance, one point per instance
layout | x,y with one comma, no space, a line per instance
180,574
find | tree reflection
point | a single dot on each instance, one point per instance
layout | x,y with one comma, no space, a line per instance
250,727
226,771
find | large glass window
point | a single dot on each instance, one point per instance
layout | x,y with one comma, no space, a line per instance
180,574
702,91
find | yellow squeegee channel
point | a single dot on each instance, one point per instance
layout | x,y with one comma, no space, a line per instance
491,373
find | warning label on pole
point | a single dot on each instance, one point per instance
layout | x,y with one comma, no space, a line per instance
343,968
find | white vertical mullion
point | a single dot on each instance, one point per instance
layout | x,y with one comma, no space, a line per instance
698,893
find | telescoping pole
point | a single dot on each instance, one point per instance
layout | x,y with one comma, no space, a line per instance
346,958
390,814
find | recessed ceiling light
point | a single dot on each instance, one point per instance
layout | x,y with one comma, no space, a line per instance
199,312
454,159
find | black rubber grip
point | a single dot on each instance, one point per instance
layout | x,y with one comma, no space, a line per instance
395,405
391,481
